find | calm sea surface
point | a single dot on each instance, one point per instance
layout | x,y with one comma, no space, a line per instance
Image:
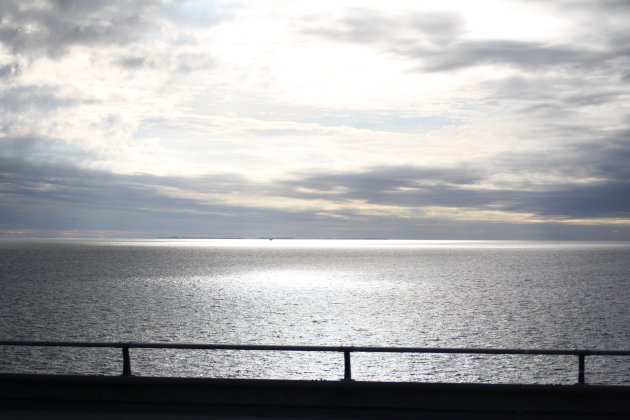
501,294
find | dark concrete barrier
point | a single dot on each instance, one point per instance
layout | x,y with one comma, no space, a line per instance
296,399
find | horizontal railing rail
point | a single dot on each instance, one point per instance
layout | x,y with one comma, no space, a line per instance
346,350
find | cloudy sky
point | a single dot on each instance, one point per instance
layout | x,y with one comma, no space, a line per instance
315,119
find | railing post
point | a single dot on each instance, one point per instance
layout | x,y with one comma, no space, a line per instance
347,372
581,368
126,362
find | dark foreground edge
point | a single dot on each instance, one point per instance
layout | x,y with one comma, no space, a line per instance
58,396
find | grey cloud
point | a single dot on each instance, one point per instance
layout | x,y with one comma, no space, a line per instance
175,63
604,161
9,70
604,156
404,186
366,26
50,27
441,28
527,88
556,105
433,41
600,170
65,184
547,109
590,6
554,92
35,151
380,181
132,62
520,54
601,199
608,160
593,99
361,26
34,97
61,196
395,186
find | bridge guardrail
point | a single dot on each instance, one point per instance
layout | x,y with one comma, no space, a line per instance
581,354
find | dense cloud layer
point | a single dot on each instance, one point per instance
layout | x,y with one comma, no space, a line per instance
59,197
608,196
224,119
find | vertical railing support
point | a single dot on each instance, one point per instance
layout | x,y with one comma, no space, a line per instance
126,362
347,372
581,368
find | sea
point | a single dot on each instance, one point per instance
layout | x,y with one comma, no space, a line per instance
394,293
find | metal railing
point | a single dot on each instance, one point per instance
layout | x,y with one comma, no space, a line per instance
346,350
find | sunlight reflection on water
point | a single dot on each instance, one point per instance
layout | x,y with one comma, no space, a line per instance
505,294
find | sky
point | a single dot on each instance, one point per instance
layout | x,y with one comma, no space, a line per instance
492,119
